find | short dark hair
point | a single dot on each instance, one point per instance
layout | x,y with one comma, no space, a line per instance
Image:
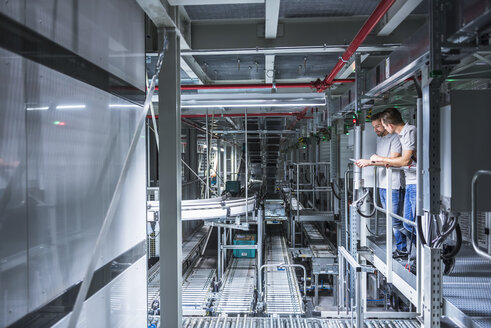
376,116
392,116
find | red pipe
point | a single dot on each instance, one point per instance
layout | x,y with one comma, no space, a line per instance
369,25
254,86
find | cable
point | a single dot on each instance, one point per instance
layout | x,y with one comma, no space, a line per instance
419,226
368,216
334,191
457,246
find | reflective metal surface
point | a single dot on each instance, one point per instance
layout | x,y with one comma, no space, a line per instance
91,29
119,304
13,211
62,147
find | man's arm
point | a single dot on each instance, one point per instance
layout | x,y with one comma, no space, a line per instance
398,161
366,162
369,162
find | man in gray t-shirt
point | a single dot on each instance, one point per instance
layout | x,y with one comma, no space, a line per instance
388,145
393,123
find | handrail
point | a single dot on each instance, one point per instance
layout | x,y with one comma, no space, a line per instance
279,266
403,219
474,236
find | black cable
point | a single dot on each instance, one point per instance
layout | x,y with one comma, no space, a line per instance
334,191
419,226
458,244
440,239
368,216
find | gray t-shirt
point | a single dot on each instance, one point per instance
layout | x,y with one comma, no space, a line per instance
408,142
387,144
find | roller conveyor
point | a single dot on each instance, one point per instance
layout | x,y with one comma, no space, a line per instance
282,294
244,321
237,292
196,290
189,248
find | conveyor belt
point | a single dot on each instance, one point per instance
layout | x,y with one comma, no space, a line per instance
282,294
318,244
196,290
192,244
189,247
237,292
243,321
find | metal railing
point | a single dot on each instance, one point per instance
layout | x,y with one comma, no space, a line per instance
344,255
474,238
280,266
389,215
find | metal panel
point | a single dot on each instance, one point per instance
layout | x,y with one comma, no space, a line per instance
13,213
119,304
462,151
95,31
71,187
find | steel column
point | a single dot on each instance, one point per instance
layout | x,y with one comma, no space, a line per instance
432,77
260,222
218,172
219,254
193,162
170,182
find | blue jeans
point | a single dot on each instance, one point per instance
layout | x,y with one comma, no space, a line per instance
410,210
396,224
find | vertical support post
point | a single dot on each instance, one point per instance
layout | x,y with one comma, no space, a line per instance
419,202
316,296
260,222
246,166
193,162
218,173
432,287
432,79
224,252
359,305
341,283
207,168
170,182
219,254
388,218
225,165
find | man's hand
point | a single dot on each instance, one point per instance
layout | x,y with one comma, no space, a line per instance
376,158
362,163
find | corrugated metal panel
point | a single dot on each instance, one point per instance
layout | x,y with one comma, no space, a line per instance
324,151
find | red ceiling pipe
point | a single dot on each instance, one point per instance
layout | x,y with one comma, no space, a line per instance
370,23
254,86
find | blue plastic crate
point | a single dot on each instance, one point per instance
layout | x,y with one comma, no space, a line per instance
242,239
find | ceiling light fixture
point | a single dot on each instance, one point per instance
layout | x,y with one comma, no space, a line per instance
70,107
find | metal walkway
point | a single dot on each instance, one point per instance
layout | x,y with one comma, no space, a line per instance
467,290
290,322
282,295
237,292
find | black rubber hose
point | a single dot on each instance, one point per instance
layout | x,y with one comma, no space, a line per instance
419,226
438,241
368,216
458,244
334,191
